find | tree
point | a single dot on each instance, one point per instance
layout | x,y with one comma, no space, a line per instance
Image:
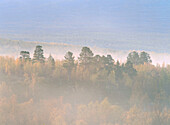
69,61
97,63
118,71
107,63
135,116
51,61
133,57
145,58
129,69
96,113
38,55
86,56
25,56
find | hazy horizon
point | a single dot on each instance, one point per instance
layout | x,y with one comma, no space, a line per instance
58,50
120,25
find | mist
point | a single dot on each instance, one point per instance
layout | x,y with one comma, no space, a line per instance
58,50
88,90
84,62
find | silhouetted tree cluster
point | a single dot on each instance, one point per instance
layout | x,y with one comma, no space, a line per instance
137,59
25,56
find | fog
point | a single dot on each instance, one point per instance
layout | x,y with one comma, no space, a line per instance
86,90
84,62
58,50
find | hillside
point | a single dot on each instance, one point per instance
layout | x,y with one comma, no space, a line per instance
94,91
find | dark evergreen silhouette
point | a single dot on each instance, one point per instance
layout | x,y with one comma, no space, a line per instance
133,57
38,55
69,61
145,58
129,69
108,63
51,61
25,56
137,59
86,57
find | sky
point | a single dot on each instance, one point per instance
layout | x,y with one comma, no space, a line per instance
115,24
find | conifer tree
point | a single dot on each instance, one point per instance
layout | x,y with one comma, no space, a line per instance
25,56
86,57
133,57
51,61
129,69
69,61
145,58
38,55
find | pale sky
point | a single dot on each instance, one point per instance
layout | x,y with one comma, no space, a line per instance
141,24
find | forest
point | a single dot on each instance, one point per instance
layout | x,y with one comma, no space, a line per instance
86,90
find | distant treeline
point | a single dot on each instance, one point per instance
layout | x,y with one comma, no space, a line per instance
92,90
86,57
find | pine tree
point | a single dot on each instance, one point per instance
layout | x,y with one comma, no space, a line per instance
86,57
69,62
25,56
133,57
38,55
129,69
109,63
118,69
145,58
51,61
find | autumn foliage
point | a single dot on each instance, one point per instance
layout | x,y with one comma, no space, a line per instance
93,90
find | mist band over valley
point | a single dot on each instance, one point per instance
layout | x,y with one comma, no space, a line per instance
116,25
58,50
